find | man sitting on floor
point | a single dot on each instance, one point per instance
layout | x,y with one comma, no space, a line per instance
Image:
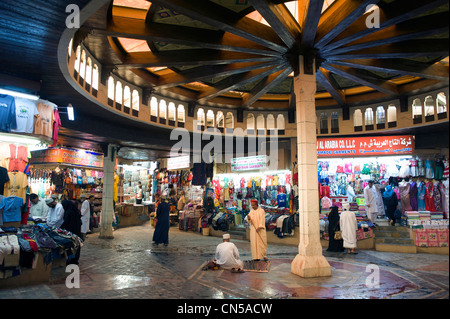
227,255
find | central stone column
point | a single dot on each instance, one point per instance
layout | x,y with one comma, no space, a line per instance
107,214
309,262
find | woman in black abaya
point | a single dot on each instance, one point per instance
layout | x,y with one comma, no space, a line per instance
161,234
333,224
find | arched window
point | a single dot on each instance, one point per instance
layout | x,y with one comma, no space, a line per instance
357,118
270,122
95,77
172,110
441,103
368,116
89,71
250,121
229,120
111,88
381,117
334,122
180,114
135,100
429,106
77,59
210,118
323,123
119,92
70,47
154,107
417,108
281,122
127,96
220,120
201,117
260,125
392,113
83,64
162,110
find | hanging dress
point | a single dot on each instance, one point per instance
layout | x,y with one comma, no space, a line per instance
404,196
421,196
446,168
421,168
429,198
429,172
413,196
437,198
414,168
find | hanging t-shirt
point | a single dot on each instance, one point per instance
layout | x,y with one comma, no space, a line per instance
281,200
18,158
3,179
26,110
56,126
7,113
11,206
44,123
17,185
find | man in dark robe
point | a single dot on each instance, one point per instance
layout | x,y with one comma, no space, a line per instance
161,234
333,225
72,223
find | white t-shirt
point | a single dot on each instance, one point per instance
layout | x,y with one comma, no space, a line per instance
26,110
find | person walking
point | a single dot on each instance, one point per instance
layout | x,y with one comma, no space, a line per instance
336,245
85,214
72,223
348,226
258,239
161,234
390,201
370,198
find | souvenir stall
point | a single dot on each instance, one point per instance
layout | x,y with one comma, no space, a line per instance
14,176
129,180
32,250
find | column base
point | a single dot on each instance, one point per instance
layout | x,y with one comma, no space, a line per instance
310,266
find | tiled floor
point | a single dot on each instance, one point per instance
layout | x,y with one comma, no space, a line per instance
128,266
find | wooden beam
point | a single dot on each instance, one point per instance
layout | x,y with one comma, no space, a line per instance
280,19
340,15
311,11
264,86
236,81
362,78
390,14
400,66
422,27
403,49
196,37
330,84
188,57
206,72
224,19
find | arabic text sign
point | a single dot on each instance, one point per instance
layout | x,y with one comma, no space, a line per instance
178,162
365,146
249,163
67,156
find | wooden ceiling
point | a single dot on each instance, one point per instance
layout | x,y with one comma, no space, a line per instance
216,52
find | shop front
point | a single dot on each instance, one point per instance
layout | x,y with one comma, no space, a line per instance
419,180
132,196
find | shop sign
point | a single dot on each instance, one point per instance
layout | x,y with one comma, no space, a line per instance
67,156
178,162
249,163
365,146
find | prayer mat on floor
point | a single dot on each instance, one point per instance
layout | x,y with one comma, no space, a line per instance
257,265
